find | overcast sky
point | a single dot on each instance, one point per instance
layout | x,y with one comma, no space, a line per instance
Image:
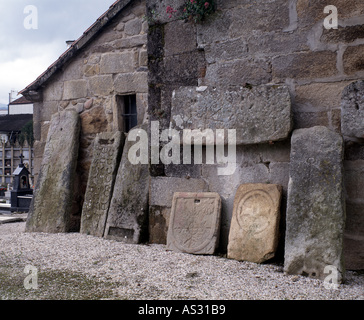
25,53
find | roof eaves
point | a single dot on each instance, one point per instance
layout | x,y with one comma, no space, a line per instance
81,42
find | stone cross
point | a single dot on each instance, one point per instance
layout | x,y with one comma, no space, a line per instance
21,158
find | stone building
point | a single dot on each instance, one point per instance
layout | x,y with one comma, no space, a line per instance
162,65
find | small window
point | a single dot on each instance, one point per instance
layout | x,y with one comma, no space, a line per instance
129,111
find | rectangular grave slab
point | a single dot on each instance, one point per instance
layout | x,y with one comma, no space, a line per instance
254,228
315,218
161,194
194,225
105,162
352,110
259,114
51,206
127,219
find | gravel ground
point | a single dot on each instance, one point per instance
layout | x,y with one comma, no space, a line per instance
77,266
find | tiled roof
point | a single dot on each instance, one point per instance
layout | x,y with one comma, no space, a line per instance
14,122
21,100
81,42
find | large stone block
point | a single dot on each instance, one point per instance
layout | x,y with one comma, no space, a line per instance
106,156
51,206
238,72
131,82
251,18
353,60
254,228
184,68
309,12
215,29
117,62
260,114
307,65
74,89
101,85
226,50
194,225
352,110
163,188
133,27
346,34
128,212
315,218
179,37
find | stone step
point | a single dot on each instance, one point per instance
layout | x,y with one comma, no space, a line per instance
8,219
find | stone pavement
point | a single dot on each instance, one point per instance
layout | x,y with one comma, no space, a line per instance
5,217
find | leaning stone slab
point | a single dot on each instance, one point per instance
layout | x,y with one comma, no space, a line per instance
259,114
254,226
194,225
105,162
161,194
50,209
315,217
127,219
352,110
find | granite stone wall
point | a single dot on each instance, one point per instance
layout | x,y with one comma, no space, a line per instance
245,43
114,63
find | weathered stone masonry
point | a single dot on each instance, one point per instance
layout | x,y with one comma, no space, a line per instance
114,63
276,44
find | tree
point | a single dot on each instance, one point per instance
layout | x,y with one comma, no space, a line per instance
26,134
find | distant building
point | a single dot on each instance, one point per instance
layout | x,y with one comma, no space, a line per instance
20,106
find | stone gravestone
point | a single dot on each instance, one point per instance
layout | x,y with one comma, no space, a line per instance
161,194
255,222
127,219
259,114
194,225
50,209
105,162
315,217
352,110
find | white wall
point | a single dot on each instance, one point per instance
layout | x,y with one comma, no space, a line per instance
21,109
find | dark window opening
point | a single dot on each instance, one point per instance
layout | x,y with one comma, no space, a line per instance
129,115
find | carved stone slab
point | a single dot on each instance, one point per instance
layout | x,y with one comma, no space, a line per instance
50,209
315,218
161,194
106,157
254,226
259,114
194,223
127,219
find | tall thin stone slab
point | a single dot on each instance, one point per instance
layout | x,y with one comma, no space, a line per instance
127,219
194,225
315,218
254,226
50,209
105,162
